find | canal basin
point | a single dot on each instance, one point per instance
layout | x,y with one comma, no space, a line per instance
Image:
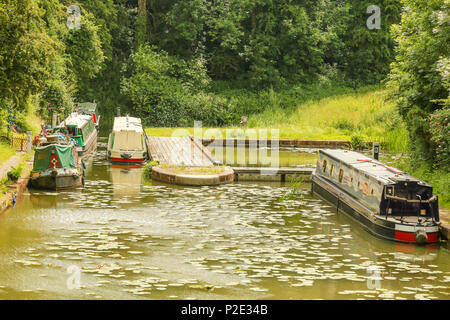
134,239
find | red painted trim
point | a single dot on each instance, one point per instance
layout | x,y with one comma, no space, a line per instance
126,160
405,236
432,237
410,237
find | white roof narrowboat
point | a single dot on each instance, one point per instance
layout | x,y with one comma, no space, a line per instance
127,142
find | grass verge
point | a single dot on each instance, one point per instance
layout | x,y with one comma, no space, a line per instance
367,115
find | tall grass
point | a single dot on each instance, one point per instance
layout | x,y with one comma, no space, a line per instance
365,113
6,152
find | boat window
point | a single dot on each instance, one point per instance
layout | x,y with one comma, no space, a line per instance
324,165
331,170
341,174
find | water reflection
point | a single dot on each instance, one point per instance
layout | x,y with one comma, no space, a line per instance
126,180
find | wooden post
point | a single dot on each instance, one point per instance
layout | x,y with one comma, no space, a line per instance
29,141
54,120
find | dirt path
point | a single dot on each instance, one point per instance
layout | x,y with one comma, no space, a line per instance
14,161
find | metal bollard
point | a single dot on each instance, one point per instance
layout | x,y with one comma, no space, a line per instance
376,150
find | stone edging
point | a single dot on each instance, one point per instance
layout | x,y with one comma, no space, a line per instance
168,176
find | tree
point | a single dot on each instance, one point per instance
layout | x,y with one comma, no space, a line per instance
26,51
419,78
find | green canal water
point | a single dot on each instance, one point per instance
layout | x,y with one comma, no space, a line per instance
123,238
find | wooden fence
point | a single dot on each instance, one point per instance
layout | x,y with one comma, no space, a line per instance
19,143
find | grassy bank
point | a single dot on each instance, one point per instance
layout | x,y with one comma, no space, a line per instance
366,114
6,152
28,121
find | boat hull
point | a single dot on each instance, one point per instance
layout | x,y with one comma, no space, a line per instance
58,182
380,226
89,146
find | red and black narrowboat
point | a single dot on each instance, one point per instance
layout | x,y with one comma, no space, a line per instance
387,202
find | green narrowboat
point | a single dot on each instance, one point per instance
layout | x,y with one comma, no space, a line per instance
89,108
387,202
82,131
56,165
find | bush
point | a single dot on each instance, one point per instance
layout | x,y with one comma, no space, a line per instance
439,127
14,174
357,142
148,169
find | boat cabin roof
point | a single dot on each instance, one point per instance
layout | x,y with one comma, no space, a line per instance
87,107
127,124
378,170
76,120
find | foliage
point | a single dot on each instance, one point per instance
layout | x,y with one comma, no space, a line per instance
166,91
147,171
357,142
419,78
295,184
14,174
26,51
269,43
440,137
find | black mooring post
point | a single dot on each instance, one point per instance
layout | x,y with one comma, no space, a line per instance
376,150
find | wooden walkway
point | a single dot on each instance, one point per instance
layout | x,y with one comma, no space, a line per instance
179,151
282,143
283,174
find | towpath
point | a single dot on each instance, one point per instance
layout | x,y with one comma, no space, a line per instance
14,161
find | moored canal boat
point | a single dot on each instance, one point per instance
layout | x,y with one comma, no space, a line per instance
127,142
89,108
82,130
387,202
56,165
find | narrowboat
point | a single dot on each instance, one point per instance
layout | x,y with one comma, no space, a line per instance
82,131
89,108
127,142
56,165
387,202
